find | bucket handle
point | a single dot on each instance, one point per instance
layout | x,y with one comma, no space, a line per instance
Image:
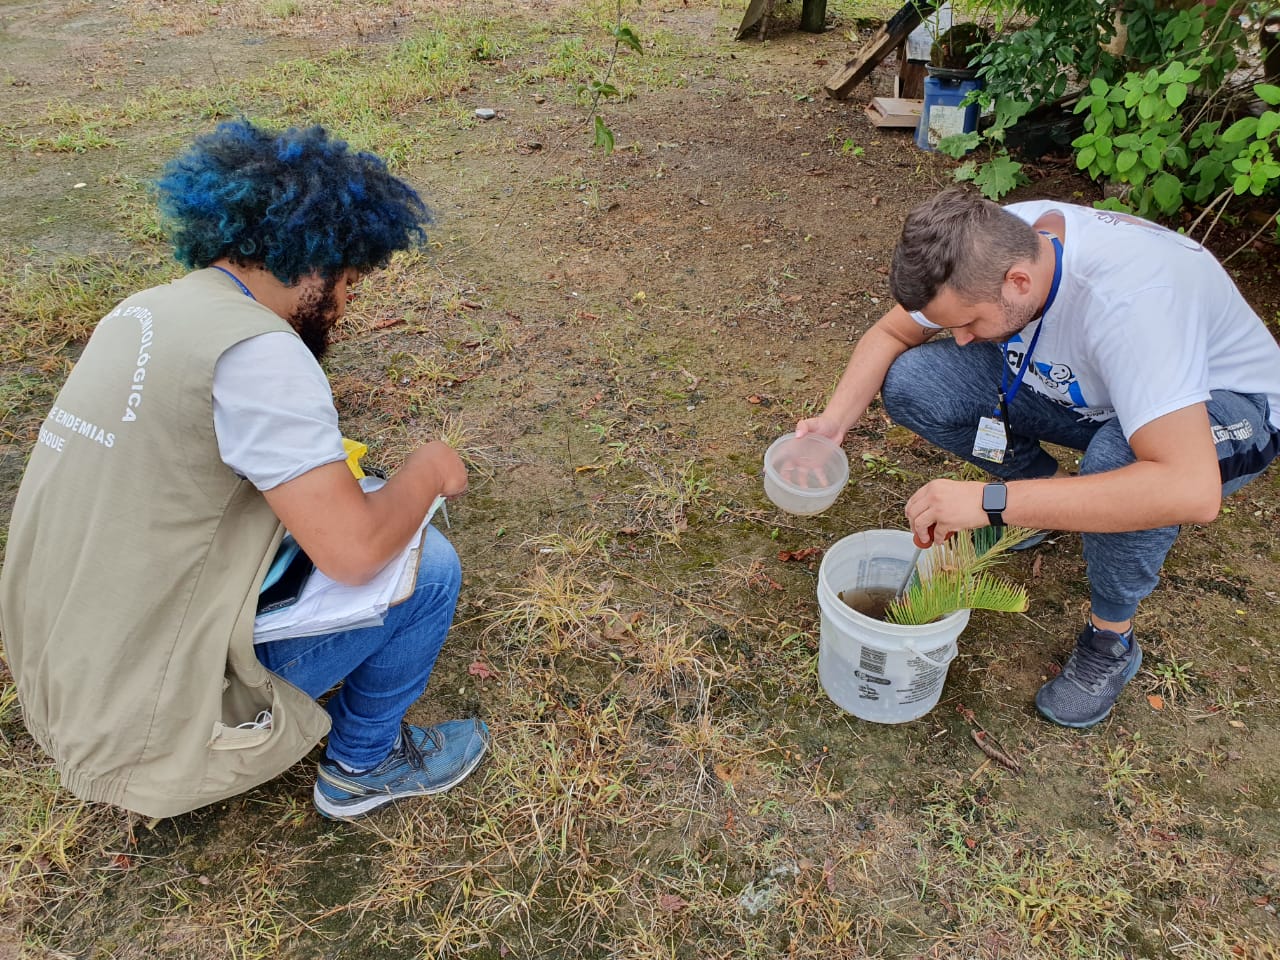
912,649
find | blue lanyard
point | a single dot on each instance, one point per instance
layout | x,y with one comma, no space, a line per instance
248,293
1007,392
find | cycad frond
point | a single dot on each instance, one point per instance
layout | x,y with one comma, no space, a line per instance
956,579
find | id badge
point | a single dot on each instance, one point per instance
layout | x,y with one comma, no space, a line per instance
990,443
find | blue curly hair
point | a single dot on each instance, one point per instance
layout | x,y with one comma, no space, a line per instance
295,202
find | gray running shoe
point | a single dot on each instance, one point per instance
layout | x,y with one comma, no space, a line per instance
1091,680
427,760
1031,542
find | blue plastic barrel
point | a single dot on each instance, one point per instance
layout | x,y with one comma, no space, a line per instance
941,115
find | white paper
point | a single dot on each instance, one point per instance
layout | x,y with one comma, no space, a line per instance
327,606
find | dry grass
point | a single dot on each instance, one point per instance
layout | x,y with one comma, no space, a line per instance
667,778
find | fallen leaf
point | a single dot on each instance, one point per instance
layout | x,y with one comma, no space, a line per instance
970,842
1156,701
1238,724
616,629
829,874
803,555
122,861
671,903
726,774
481,670
1036,566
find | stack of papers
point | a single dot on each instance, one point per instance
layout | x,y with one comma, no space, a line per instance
326,606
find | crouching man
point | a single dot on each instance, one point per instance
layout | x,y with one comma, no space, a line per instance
195,428
1084,328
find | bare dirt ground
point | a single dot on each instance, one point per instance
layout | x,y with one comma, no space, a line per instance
613,341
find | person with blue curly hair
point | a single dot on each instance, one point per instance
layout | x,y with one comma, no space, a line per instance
190,476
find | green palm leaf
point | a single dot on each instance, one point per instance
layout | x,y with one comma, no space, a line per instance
956,578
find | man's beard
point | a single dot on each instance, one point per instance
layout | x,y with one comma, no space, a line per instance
315,317
1016,317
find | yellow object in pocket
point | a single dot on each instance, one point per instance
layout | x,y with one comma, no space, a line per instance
355,452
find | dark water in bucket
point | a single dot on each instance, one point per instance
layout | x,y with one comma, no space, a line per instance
871,602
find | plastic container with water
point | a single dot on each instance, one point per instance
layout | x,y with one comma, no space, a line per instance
941,114
879,671
804,475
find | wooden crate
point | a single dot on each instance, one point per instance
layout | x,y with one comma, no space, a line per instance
894,112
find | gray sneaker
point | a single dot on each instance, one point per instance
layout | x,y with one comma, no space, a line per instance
1031,542
426,761
1091,680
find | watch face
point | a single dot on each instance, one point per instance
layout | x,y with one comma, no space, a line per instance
994,497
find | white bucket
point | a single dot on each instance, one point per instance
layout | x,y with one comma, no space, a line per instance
878,671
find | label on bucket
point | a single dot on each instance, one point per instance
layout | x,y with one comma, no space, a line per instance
944,122
927,681
923,686
871,660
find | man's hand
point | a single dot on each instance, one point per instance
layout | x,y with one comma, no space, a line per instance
441,460
825,424
942,507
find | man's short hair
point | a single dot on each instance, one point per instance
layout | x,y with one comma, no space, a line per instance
294,202
961,241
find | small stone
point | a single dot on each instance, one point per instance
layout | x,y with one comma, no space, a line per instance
485,113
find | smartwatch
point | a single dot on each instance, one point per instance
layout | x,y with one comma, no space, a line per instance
995,497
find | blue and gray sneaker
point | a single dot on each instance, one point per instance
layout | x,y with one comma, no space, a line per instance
427,760
1031,542
1091,680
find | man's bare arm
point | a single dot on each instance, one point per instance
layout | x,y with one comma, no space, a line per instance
1174,480
890,337
350,534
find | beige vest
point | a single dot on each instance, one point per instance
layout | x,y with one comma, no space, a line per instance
134,557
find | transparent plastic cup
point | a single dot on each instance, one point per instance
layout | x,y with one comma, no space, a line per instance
804,475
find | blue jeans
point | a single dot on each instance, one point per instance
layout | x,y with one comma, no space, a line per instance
941,389
383,669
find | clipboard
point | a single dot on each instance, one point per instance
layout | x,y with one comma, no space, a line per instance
413,558
409,573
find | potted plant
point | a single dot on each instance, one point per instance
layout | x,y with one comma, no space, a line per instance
951,56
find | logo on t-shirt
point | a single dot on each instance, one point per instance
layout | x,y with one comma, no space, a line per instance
1124,219
1056,381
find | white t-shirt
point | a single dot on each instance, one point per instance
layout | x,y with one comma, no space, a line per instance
273,411
1145,322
